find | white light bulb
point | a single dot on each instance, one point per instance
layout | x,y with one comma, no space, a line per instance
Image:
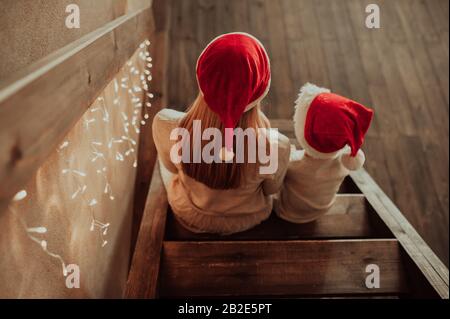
39,230
20,195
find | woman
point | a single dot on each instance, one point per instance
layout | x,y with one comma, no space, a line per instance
227,195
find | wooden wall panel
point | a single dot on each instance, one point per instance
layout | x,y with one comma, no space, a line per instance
41,103
89,177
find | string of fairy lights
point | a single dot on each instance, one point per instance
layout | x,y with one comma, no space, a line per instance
135,84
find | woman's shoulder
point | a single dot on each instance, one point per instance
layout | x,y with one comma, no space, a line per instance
164,122
167,119
281,140
169,115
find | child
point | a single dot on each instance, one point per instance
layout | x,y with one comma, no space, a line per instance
330,129
222,196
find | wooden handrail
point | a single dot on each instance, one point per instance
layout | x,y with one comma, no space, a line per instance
419,252
144,271
40,104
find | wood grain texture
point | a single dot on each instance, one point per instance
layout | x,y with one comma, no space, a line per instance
41,104
289,268
400,70
144,271
349,217
420,253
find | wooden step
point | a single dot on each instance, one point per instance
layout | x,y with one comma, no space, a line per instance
350,217
279,268
273,266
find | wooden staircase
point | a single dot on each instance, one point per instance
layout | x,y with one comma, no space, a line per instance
323,259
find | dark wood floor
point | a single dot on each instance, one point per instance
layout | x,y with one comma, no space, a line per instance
400,70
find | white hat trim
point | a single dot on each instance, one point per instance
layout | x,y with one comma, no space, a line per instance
307,94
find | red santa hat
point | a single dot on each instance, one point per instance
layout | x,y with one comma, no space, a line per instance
328,124
233,75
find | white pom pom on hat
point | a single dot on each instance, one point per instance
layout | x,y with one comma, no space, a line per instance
353,163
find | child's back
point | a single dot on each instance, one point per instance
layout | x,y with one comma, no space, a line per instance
331,130
309,188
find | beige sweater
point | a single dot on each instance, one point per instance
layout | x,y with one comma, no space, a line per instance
202,209
310,187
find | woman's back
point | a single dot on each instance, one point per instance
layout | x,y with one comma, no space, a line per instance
204,209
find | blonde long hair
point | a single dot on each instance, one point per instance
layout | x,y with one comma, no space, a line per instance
225,175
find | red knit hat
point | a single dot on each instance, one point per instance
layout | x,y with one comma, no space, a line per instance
327,122
233,74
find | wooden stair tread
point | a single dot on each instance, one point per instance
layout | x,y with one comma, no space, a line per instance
349,217
279,268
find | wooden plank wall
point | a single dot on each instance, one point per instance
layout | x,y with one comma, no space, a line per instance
401,70
46,98
83,195
71,162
